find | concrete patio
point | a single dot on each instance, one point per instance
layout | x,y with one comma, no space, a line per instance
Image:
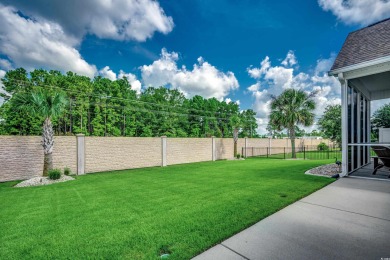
349,219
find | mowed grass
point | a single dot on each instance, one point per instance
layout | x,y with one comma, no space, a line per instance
131,214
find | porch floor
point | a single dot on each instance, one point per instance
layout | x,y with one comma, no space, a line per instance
366,171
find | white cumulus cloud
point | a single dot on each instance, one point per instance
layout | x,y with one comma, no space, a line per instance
106,72
47,34
134,82
361,12
109,19
258,72
273,80
281,77
39,43
161,71
290,59
204,79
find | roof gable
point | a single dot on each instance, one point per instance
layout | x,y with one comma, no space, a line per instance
369,43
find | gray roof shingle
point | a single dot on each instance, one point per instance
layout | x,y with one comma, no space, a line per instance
369,43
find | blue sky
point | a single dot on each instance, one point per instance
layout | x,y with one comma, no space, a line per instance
235,50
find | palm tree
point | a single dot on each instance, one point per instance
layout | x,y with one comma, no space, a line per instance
291,108
48,105
235,122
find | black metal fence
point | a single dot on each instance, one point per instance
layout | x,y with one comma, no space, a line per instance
303,152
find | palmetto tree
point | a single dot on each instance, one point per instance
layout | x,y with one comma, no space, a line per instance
47,105
290,109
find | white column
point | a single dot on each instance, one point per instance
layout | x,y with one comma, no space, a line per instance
344,124
368,128
163,151
359,128
364,139
80,154
213,148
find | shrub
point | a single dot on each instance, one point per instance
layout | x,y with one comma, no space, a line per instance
54,174
322,147
238,156
67,171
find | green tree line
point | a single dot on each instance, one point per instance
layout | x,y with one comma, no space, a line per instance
101,107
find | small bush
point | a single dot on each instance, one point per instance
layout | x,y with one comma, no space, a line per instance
238,156
67,171
54,174
322,147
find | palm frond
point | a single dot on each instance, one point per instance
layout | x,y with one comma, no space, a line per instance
291,108
40,102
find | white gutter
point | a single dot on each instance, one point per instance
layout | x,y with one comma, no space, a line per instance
359,66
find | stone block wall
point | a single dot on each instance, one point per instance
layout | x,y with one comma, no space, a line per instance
64,153
224,148
118,153
21,157
187,150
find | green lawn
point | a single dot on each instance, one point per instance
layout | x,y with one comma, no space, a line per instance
131,214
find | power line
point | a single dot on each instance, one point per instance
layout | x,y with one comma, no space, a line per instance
26,83
110,97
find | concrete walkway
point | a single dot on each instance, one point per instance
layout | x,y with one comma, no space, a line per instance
348,219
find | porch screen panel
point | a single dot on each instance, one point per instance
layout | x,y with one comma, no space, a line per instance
362,135
349,100
368,130
354,129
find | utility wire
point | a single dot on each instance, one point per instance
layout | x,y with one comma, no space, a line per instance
24,83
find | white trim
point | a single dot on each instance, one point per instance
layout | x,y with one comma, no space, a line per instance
380,94
352,130
359,86
359,126
364,130
344,125
368,128
359,66
367,71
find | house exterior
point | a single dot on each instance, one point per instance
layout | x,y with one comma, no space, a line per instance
363,69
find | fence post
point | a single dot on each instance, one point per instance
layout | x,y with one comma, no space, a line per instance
253,152
269,144
328,151
246,145
284,152
304,153
213,148
80,154
163,151
267,151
